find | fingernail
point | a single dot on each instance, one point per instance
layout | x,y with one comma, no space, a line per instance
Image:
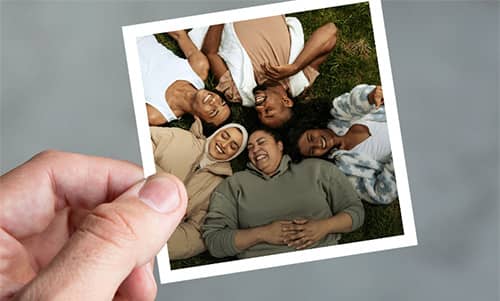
160,193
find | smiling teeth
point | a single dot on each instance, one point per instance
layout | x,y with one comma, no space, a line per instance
219,149
260,157
323,142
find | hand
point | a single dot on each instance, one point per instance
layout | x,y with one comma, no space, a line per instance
74,227
303,233
273,232
277,73
376,97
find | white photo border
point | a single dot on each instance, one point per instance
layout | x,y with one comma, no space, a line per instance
409,238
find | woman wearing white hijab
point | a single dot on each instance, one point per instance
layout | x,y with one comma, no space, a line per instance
201,164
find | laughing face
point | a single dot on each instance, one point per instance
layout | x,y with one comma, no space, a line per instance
316,142
225,143
264,152
210,107
273,106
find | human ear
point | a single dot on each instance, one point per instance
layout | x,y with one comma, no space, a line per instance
287,101
280,146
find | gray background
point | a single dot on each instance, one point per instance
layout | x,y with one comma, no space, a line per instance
64,85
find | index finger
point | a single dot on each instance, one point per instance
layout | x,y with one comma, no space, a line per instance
31,194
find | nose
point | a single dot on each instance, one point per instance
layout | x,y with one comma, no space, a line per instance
224,144
215,100
254,150
316,141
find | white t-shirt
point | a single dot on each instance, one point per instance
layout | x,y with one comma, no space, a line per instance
160,68
377,145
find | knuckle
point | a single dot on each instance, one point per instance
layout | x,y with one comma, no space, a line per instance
107,224
46,154
50,156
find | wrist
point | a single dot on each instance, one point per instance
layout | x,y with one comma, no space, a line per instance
328,225
295,68
260,234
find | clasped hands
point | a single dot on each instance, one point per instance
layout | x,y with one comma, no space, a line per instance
297,233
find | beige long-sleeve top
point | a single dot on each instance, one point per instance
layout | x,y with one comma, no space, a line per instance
178,152
265,40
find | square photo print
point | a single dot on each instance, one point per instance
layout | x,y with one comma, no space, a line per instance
281,121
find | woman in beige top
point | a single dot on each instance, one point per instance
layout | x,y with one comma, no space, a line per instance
267,43
201,164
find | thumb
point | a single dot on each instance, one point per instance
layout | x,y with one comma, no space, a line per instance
114,239
300,221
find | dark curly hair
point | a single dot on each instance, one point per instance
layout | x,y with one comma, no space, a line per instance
312,115
277,135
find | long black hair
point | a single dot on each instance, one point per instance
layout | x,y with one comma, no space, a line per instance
314,114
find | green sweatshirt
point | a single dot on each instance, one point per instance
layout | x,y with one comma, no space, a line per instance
312,189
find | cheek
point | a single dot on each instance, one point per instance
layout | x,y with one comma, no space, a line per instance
206,108
211,149
319,152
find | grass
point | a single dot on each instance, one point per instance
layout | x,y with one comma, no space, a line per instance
353,61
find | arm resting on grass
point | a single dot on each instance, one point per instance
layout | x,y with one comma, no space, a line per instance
318,46
197,60
314,53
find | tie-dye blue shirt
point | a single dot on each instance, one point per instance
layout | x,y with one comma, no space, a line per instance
374,180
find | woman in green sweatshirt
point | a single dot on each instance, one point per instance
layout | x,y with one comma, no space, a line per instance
276,206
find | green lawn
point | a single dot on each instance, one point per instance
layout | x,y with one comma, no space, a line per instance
353,61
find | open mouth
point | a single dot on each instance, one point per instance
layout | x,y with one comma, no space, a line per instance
261,157
259,100
219,149
323,142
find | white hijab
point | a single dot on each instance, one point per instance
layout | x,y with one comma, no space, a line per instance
207,159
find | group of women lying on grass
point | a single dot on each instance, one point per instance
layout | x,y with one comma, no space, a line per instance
284,200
